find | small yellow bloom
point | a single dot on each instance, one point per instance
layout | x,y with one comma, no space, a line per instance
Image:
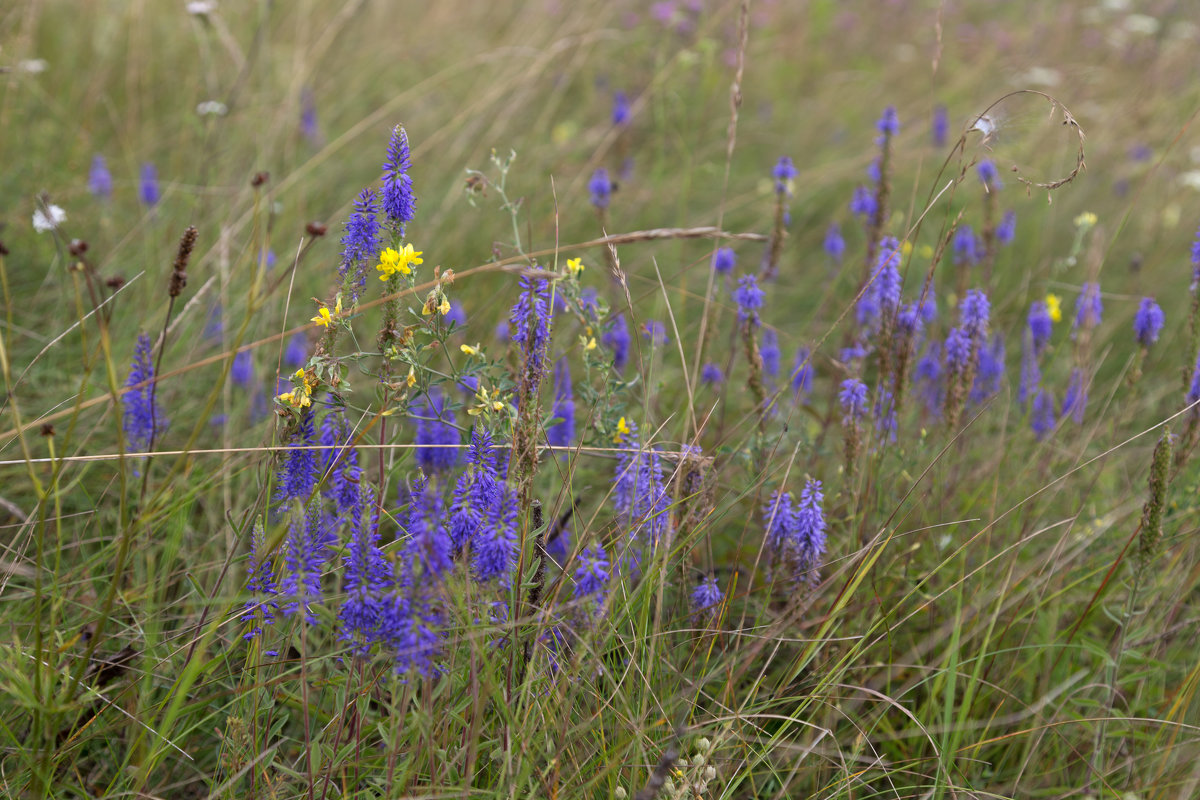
302,400
1054,307
409,258
575,265
1086,220
444,308
487,402
622,430
469,350
590,344
322,318
412,376
926,251
389,261
906,248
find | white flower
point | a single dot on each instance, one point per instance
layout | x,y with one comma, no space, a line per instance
43,222
33,66
212,107
1144,24
200,8
1190,179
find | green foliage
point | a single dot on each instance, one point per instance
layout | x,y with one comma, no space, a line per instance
987,619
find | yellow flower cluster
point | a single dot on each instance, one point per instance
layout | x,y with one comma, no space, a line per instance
622,431
301,396
1054,307
403,260
575,266
323,317
488,403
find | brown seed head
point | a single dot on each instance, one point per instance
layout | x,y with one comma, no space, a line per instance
259,179
77,247
179,275
115,282
47,429
315,229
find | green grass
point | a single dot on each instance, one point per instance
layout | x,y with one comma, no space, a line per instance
991,618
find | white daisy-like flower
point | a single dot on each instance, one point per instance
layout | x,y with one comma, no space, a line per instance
200,8
214,107
48,220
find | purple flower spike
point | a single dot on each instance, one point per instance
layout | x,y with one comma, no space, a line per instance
863,203
941,126
1196,262
1043,416
711,374
783,173
142,416
889,123
429,542
769,350
989,175
399,202
616,338
834,245
1006,231
620,109
591,580
562,434
306,549
1088,307
706,599
600,188
1076,397
1040,326
749,298
802,372
360,244
853,398
724,260
435,434
148,187
1148,322
100,181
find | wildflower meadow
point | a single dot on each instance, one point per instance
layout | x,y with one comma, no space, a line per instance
684,399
